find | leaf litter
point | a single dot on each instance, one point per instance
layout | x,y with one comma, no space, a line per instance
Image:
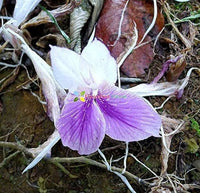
175,134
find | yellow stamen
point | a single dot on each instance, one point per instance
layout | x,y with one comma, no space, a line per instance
82,99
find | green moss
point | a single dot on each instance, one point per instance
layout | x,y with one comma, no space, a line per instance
192,146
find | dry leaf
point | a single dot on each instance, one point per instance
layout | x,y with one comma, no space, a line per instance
54,39
169,125
140,12
175,70
43,18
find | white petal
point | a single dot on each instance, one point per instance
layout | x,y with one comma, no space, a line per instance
156,89
164,88
1,3
67,68
182,1
49,85
44,152
103,66
22,9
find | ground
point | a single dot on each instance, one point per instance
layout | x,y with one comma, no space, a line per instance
23,120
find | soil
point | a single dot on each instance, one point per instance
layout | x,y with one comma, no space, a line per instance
23,120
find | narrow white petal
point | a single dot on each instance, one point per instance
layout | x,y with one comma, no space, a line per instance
103,66
22,9
49,86
163,89
1,3
43,152
182,1
67,67
156,89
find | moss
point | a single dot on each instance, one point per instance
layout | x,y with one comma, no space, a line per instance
192,146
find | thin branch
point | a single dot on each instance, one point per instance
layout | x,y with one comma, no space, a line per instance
7,159
85,160
153,21
130,80
144,165
120,23
16,146
62,168
182,38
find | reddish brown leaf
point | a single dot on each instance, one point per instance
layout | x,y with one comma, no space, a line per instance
138,11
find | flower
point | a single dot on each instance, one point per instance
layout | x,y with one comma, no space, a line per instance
22,9
83,125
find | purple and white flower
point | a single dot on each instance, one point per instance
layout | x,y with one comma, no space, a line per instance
83,124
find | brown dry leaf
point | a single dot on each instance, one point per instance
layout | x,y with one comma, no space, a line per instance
54,39
169,125
175,70
1,107
160,190
11,79
55,4
140,12
43,18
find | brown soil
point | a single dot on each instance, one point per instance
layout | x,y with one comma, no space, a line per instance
23,120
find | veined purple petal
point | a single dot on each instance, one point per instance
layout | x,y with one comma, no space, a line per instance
128,117
81,125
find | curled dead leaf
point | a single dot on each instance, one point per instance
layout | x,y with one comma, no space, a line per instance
54,39
43,18
55,4
78,19
169,126
175,70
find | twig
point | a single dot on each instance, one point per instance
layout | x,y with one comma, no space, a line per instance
85,160
9,65
119,64
162,105
119,174
135,38
62,168
2,47
7,159
125,157
120,23
16,146
156,40
144,166
176,130
153,21
11,79
103,150
182,38
9,133
174,188
130,80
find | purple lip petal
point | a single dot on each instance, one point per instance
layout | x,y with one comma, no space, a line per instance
81,125
128,117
